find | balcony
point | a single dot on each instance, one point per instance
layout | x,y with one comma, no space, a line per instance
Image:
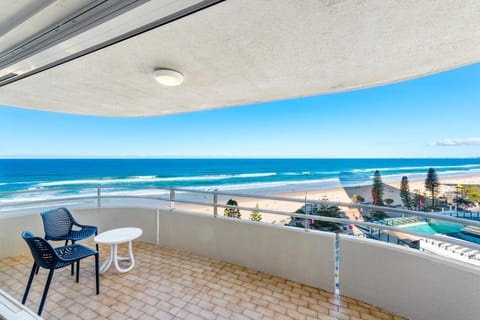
204,266
172,284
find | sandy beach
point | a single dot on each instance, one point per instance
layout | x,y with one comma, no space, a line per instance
391,190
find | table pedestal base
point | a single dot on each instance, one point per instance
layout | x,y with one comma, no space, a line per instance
113,257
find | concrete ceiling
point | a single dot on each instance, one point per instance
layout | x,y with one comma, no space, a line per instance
247,51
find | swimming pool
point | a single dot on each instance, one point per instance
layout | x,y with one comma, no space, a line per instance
450,229
466,236
435,227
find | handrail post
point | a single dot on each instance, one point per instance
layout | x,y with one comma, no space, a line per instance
337,264
158,226
172,199
99,203
215,203
306,212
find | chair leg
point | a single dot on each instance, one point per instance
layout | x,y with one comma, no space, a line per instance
97,280
38,268
45,291
78,271
96,245
71,271
29,283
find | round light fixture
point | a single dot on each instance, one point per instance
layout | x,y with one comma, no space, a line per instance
167,77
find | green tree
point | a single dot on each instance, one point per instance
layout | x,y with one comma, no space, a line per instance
298,224
326,211
473,192
255,215
432,185
378,215
405,193
377,195
232,212
377,189
357,198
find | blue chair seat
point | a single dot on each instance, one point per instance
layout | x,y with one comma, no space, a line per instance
72,253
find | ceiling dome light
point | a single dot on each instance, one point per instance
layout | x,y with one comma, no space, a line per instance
167,77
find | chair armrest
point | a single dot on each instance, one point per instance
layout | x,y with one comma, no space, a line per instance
76,224
84,226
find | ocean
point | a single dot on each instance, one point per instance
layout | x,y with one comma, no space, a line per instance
262,176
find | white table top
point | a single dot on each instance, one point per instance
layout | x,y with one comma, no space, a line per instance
118,235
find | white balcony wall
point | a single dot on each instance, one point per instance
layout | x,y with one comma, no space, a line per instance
11,227
408,282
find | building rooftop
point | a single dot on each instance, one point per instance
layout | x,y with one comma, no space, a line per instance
171,284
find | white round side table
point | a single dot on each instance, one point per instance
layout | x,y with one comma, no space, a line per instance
113,238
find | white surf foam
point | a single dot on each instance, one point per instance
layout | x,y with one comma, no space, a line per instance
139,179
262,185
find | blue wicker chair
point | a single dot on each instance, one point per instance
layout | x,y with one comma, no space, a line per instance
59,225
45,256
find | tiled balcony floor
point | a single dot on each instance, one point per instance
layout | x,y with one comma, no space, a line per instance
169,284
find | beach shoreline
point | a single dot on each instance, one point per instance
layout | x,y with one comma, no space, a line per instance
342,194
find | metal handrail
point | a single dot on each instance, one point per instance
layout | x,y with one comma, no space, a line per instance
216,205
343,204
329,203
233,194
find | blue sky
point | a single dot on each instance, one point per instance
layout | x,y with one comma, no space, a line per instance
434,116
